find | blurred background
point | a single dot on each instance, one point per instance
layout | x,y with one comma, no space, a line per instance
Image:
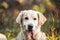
9,9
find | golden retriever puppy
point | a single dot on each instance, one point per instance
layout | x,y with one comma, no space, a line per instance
30,23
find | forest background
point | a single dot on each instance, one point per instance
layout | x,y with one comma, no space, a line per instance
9,9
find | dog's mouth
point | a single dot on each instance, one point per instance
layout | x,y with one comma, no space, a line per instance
30,33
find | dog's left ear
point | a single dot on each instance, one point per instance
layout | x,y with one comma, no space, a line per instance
41,19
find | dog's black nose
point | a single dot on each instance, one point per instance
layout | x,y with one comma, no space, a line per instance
30,27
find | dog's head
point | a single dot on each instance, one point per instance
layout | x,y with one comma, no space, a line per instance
30,20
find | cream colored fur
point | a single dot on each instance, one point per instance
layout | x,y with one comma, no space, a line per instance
40,20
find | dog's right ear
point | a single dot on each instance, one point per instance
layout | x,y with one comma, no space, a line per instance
19,18
41,18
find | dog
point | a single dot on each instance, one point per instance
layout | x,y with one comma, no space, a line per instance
30,24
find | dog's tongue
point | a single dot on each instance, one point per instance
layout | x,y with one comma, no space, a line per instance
30,33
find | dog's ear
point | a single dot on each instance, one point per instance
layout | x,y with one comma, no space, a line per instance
19,18
41,18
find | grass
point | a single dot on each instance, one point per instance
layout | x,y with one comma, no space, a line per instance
9,37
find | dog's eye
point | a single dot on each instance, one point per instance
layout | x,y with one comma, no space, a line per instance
34,18
26,18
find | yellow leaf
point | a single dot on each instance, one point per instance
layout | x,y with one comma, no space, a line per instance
35,7
4,4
